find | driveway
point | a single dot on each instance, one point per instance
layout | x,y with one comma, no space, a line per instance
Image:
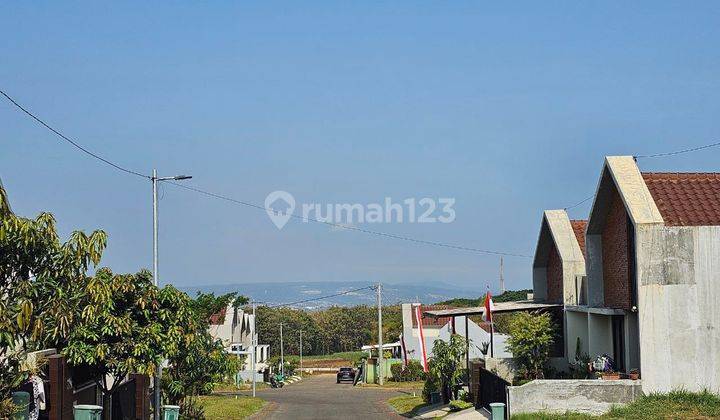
319,397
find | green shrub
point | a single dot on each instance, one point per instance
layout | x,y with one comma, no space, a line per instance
412,372
432,384
457,405
531,337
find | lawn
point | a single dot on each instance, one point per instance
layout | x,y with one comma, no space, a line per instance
348,358
231,387
407,405
230,407
657,406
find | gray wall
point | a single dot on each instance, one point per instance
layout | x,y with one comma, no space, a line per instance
679,307
584,396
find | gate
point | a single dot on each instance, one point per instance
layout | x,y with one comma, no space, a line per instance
491,389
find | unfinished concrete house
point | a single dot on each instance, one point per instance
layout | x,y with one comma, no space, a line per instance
652,290
558,269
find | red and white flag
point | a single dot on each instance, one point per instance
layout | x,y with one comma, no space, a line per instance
489,308
421,338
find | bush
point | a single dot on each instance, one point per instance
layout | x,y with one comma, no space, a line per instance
457,405
412,372
432,384
531,336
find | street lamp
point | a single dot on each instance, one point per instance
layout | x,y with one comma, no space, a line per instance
155,179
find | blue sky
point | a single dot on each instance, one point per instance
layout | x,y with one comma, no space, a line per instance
508,109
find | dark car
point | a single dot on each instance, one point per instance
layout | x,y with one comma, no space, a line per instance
346,374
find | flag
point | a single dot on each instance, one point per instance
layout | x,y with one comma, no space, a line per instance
421,338
404,350
489,308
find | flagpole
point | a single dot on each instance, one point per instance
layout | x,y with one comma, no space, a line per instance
491,337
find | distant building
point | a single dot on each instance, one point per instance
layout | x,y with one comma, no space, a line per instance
441,328
234,327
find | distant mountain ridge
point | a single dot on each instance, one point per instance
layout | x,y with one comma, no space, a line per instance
287,292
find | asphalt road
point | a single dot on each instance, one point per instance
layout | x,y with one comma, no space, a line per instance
319,397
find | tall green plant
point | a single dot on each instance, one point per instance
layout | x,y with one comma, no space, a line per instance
446,363
531,338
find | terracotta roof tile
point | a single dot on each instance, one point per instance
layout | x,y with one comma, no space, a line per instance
579,229
686,199
218,318
428,321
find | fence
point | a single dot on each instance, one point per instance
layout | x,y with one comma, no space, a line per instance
486,387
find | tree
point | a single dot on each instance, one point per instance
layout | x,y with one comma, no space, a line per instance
200,363
446,361
531,338
38,279
127,325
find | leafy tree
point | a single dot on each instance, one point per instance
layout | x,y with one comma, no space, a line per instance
531,338
127,325
198,365
39,275
447,359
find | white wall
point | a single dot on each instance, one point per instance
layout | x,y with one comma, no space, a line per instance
600,335
576,327
679,307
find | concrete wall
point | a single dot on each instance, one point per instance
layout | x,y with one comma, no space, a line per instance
540,284
576,327
600,335
583,396
679,309
594,264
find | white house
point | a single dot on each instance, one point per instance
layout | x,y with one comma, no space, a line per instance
440,328
235,328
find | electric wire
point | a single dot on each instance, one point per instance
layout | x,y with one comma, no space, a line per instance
322,297
69,140
678,152
353,228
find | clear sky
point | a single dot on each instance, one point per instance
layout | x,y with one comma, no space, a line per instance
508,109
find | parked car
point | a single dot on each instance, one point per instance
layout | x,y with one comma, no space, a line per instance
346,374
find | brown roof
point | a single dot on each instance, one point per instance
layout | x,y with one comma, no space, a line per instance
686,199
429,321
218,318
579,229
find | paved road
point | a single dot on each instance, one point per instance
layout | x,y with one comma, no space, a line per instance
319,397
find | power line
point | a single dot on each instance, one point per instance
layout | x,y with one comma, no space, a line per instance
72,142
323,297
353,228
580,202
678,152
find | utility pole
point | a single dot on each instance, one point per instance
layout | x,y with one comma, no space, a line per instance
282,354
155,180
301,349
502,279
253,340
380,337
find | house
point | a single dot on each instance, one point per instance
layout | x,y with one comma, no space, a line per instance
649,295
558,268
441,327
234,327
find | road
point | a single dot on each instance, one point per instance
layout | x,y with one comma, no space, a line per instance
319,397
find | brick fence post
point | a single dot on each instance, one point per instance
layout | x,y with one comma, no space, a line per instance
142,396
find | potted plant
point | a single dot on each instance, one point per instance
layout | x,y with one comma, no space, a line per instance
610,375
634,374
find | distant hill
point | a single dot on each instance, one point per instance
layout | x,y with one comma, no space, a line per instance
508,296
285,292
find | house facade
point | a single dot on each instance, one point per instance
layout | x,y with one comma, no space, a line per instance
234,327
650,293
441,328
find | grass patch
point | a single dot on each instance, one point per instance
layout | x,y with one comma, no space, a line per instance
677,404
407,405
231,387
230,407
353,356
411,385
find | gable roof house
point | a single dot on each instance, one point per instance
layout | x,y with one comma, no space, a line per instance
558,267
652,286
234,327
